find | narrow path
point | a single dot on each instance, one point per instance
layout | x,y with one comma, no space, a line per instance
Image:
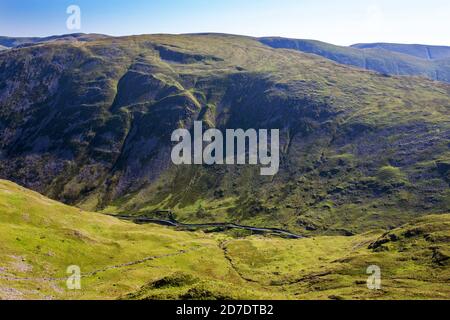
176,224
95,272
223,247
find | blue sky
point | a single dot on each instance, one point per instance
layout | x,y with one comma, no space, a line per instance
341,22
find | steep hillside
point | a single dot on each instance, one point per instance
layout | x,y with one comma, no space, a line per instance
425,61
89,123
41,238
417,50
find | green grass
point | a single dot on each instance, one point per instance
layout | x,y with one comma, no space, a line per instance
40,238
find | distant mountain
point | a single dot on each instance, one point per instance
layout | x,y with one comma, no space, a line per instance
388,59
90,123
14,42
11,42
416,50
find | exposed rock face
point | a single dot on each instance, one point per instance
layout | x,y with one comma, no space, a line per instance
89,123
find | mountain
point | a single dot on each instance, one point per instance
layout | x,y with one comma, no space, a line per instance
41,238
89,123
11,42
14,42
416,50
392,59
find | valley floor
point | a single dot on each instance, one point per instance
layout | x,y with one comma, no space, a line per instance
41,238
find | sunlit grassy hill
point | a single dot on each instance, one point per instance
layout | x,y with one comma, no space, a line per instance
41,238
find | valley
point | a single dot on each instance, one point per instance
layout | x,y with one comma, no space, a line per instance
359,150
122,260
86,124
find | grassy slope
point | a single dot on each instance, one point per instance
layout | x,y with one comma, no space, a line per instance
40,238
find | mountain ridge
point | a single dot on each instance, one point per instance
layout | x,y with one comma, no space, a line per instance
429,52
15,42
89,123
392,59
429,61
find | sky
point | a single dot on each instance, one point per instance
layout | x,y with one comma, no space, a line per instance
342,22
